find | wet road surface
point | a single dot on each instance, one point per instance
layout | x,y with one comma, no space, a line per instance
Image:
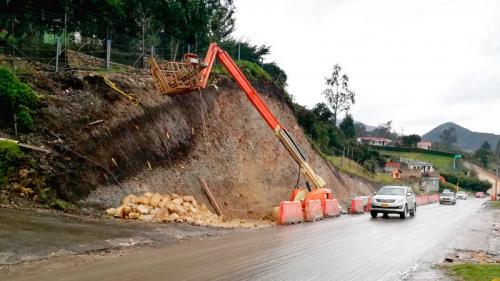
346,248
28,235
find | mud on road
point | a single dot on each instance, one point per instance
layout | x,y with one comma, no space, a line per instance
29,235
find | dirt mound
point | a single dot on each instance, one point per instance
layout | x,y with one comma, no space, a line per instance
106,147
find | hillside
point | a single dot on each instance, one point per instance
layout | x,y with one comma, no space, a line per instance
105,147
466,139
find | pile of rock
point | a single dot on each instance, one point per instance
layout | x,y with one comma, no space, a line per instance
165,208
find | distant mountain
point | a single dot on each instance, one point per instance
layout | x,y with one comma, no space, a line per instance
466,139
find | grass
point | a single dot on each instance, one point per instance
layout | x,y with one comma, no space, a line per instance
494,204
475,272
353,168
442,163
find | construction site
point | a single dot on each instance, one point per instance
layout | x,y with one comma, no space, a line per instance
140,139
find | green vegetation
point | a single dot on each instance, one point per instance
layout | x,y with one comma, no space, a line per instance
442,163
474,272
9,157
494,204
467,182
352,167
59,204
16,98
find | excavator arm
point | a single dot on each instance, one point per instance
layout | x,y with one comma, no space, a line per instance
214,51
178,77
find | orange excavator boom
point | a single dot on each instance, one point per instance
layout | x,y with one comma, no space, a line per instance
173,84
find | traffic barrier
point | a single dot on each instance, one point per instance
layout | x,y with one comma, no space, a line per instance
418,200
436,197
425,199
356,206
368,205
313,210
290,212
331,208
493,197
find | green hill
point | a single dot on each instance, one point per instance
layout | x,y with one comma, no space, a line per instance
442,163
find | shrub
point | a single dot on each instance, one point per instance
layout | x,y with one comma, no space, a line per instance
16,98
253,70
24,120
9,157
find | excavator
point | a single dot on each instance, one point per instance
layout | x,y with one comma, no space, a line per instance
192,74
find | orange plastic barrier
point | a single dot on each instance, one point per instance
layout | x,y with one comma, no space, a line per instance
493,197
356,206
290,212
313,210
368,205
331,208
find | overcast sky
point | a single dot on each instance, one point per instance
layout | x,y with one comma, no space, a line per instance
419,63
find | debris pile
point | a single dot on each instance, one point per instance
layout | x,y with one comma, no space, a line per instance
154,207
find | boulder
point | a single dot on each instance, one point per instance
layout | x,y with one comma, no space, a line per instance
133,215
142,209
154,201
110,211
129,199
141,200
145,217
162,215
177,201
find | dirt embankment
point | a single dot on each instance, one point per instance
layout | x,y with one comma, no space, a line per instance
107,147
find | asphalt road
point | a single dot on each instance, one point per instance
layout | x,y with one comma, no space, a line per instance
347,248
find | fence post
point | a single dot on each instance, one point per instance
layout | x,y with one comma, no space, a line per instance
58,52
152,51
108,54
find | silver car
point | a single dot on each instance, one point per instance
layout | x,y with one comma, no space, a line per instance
462,195
447,197
394,200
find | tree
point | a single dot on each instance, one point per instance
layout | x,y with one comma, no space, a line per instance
347,127
322,112
448,137
384,131
360,129
411,140
337,92
483,153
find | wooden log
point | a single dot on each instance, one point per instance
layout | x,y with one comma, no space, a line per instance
210,197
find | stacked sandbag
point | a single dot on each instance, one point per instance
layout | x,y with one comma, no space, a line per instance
165,208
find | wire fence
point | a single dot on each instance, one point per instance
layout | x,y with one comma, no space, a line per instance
61,48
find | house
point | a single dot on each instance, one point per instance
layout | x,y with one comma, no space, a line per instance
422,166
374,141
424,144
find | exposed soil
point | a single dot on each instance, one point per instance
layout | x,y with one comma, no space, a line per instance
105,147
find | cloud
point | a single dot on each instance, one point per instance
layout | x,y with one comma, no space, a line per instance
416,62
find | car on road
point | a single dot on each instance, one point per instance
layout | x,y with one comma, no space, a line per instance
462,195
480,194
394,200
447,197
